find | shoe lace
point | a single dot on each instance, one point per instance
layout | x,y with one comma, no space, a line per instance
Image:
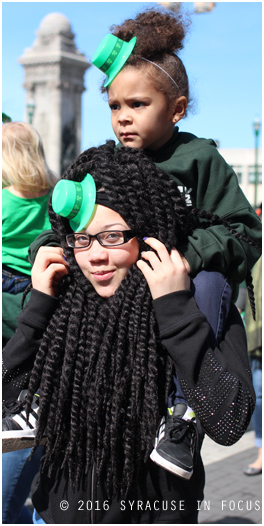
10,407
186,430
14,405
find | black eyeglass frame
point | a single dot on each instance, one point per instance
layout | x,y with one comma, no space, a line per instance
127,235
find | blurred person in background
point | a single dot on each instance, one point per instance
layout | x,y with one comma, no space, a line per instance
254,337
27,182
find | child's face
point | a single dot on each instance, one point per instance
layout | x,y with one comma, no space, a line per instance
141,115
105,268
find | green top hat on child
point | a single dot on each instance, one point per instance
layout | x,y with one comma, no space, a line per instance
111,55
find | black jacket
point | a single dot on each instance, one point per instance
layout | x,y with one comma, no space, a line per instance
216,382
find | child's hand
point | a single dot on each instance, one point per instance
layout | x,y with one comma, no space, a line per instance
168,273
48,270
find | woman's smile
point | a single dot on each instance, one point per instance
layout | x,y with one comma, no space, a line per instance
103,275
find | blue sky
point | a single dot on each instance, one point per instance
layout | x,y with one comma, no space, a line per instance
222,56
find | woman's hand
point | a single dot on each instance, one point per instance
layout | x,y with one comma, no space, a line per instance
48,270
168,273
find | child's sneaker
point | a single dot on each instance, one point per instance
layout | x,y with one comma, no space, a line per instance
16,432
176,440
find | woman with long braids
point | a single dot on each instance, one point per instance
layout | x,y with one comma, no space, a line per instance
111,312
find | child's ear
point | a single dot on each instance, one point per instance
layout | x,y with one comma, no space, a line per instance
179,109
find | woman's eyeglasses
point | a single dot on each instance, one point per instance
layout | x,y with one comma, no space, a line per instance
109,238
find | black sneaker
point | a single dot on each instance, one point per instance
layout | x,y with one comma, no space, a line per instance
176,440
16,432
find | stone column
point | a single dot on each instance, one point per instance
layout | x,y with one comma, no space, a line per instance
54,71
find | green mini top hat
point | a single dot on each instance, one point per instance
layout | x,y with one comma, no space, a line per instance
75,201
111,55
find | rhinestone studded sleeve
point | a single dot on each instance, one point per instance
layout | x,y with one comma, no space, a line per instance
19,354
216,381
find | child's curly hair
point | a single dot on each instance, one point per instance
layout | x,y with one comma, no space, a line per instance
103,374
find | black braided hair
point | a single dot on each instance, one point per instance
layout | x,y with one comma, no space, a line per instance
103,374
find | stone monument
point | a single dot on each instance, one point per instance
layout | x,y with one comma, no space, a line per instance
54,71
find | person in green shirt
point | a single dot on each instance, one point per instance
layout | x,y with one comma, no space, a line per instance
27,182
148,93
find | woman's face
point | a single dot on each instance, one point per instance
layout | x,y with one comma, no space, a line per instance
104,267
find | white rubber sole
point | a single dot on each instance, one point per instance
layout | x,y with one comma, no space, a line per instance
19,433
155,457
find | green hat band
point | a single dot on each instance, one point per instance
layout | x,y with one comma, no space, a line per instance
78,201
112,57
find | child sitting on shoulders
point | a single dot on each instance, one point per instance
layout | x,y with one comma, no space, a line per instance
148,93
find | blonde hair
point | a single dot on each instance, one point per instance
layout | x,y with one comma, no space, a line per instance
23,159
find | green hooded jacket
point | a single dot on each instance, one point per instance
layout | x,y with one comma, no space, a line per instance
209,183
